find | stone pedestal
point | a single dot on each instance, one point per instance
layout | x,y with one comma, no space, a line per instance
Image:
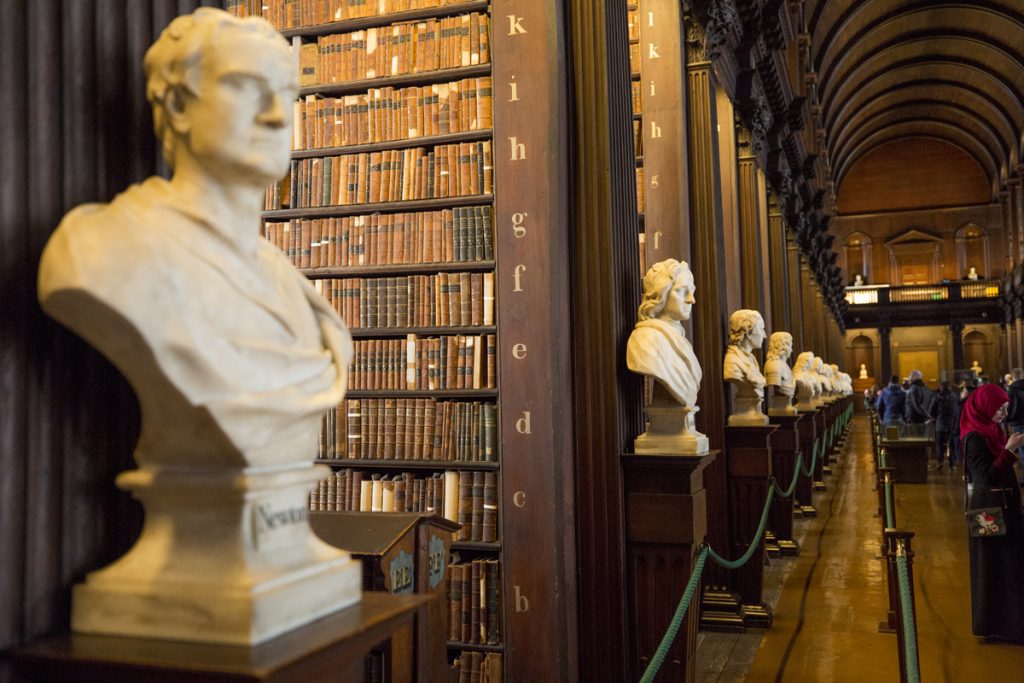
666,521
226,556
807,431
746,409
671,430
779,403
785,443
748,469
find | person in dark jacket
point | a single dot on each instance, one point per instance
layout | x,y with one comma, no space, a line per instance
890,404
919,398
997,562
1015,413
944,410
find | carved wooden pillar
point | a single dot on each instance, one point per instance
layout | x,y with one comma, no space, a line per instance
1011,242
1017,230
710,314
810,302
750,266
885,353
666,173
778,259
956,332
794,288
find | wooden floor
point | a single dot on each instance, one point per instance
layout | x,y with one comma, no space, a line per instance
829,600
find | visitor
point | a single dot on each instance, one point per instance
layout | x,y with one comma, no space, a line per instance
944,410
919,398
996,561
1015,413
890,404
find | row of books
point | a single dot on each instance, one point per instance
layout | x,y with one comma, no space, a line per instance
640,189
404,48
469,498
385,114
394,175
425,364
474,601
410,429
286,14
634,59
440,300
477,667
634,24
459,235
638,138
638,98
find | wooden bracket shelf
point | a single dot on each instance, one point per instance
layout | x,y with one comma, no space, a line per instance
457,645
360,333
475,545
425,141
361,23
418,78
425,393
362,463
389,207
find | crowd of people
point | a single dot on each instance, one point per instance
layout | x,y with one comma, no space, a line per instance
980,424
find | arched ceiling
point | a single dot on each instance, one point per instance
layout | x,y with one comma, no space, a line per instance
952,70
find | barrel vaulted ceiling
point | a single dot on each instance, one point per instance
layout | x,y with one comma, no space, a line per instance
946,69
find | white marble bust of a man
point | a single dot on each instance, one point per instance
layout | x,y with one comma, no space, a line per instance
233,355
778,375
658,346
818,372
741,369
863,371
806,381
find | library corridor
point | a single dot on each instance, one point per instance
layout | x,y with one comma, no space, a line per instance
833,594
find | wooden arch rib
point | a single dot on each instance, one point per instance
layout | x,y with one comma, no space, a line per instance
918,128
998,146
980,93
995,58
984,78
1000,15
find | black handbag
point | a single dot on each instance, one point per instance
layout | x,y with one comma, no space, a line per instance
986,522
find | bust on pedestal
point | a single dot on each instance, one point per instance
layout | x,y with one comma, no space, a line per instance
658,348
976,369
233,355
806,382
821,396
778,375
741,369
863,371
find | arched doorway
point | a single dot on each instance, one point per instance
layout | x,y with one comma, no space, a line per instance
862,352
978,347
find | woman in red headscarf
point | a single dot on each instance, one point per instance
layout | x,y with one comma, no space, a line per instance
997,562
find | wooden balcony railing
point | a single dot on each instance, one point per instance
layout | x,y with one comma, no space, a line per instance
946,291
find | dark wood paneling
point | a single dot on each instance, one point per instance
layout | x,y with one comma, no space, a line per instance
77,130
605,295
913,174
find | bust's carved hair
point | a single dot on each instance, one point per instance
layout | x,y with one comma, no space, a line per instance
779,345
174,61
741,324
804,361
658,282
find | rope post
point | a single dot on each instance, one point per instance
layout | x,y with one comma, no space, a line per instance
900,558
886,509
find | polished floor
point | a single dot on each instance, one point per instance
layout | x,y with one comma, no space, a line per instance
829,600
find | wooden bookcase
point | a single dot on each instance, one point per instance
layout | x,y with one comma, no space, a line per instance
529,240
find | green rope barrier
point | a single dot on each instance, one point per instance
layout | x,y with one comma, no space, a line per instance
909,628
889,521
677,619
706,551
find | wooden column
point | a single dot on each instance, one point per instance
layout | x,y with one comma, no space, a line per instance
796,305
666,174
956,333
785,445
885,353
607,398
709,312
1009,221
751,267
778,259
532,237
1017,223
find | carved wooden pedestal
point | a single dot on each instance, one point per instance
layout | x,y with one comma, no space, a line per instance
332,648
666,519
807,430
785,443
748,469
821,425
909,459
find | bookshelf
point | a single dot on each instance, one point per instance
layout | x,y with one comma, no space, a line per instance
416,193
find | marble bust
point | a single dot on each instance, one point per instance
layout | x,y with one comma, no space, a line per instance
821,396
233,355
847,383
778,375
659,349
806,382
863,371
835,379
742,371
976,368
858,280
972,273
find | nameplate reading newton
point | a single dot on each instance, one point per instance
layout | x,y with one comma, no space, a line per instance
401,573
435,561
270,524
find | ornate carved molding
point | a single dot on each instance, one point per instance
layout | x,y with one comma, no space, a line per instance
696,37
